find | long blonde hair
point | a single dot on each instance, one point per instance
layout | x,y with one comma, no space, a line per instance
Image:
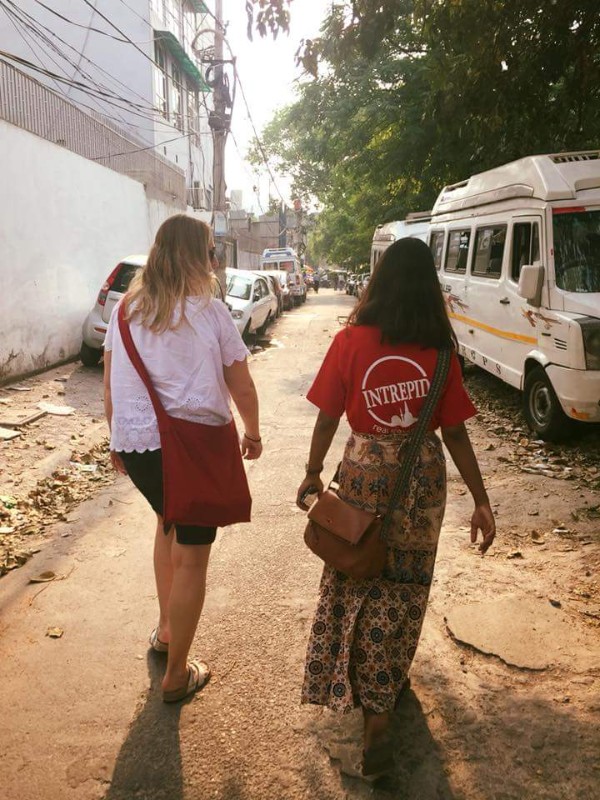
178,266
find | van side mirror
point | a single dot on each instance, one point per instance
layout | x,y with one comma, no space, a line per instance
531,281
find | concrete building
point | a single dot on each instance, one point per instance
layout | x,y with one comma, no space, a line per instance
135,63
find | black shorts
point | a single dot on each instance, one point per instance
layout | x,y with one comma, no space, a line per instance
145,471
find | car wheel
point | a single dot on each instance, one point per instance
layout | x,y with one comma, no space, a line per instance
542,409
90,356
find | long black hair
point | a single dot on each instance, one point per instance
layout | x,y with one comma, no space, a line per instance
404,298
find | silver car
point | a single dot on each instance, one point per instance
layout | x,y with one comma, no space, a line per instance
96,322
113,289
251,299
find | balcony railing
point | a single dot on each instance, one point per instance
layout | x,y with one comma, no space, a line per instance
30,105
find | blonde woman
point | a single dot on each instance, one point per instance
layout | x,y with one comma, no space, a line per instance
196,360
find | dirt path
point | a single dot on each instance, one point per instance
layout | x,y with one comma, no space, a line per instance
80,723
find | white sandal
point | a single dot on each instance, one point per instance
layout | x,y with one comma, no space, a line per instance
156,644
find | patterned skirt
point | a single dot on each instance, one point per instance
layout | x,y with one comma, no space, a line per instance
365,632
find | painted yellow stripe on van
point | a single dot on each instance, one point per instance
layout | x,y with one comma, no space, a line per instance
515,337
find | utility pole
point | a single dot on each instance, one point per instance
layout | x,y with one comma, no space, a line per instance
220,122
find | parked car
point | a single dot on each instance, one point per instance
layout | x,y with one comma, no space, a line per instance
96,322
274,279
252,301
113,289
361,285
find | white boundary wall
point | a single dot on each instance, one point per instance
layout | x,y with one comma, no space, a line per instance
65,222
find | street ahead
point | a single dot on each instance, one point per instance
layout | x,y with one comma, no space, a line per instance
82,716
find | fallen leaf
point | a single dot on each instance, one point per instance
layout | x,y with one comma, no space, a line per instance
55,633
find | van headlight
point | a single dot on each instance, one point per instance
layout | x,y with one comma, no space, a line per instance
590,328
236,314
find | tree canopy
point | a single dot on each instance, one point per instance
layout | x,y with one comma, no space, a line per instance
406,96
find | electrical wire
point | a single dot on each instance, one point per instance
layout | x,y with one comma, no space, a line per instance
77,24
258,141
38,28
15,19
142,149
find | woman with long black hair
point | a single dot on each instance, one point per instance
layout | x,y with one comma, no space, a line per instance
378,372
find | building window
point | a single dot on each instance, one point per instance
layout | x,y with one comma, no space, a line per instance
161,83
193,114
189,26
177,93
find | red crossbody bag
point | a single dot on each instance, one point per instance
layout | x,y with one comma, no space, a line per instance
204,481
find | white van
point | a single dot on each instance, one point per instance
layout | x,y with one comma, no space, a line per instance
286,259
416,224
518,254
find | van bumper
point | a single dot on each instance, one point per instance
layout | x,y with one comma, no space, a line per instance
578,391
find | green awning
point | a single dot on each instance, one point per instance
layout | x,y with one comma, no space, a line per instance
199,6
172,43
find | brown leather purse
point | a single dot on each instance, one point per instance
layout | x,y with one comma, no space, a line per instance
350,539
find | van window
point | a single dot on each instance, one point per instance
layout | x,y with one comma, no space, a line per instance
489,249
525,247
577,250
458,250
436,246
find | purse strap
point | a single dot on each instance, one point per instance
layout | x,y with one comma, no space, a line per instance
136,360
418,434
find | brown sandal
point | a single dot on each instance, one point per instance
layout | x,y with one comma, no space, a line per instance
379,758
198,677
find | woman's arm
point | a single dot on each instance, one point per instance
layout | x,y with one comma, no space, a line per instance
243,393
108,410
459,446
323,433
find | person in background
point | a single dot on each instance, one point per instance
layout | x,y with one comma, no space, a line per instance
196,360
377,372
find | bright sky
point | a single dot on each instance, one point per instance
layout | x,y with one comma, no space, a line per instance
267,71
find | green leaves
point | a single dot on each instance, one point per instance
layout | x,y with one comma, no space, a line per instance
409,95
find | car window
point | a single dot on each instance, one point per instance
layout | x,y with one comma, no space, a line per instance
525,247
436,246
238,286
123,277
457,251
489,251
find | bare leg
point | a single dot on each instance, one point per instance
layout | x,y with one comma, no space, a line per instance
190,563
163,573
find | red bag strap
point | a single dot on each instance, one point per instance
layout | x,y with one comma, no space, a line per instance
135,358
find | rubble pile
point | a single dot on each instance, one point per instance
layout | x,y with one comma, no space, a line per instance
24,518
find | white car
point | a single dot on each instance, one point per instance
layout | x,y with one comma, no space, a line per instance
96,322
251,299
113,289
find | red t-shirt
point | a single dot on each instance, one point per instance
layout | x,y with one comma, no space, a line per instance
383,387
